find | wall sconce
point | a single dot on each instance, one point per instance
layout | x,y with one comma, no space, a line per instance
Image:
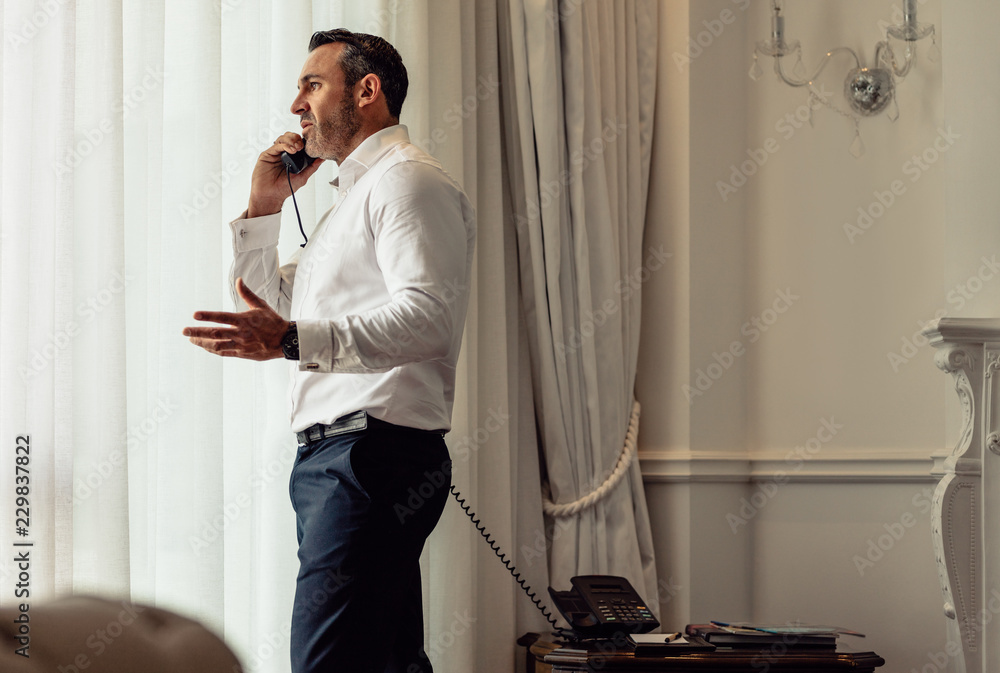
869,91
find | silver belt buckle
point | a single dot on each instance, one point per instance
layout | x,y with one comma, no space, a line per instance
349,423
356,421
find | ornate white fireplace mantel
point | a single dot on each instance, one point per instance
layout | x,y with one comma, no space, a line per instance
966,515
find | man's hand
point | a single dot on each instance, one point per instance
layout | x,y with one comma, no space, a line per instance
269,185
254,334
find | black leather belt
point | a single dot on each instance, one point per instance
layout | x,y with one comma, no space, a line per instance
349,423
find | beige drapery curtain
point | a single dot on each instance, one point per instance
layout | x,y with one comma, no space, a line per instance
579,116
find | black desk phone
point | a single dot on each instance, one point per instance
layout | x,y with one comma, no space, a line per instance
600,606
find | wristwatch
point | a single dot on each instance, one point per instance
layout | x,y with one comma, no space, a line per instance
290,343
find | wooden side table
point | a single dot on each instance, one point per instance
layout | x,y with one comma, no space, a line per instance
607,657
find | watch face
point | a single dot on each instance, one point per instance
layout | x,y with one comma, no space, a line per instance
290,343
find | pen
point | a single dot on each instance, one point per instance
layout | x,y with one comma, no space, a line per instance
671,637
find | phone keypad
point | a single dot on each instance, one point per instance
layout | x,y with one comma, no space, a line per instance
623,610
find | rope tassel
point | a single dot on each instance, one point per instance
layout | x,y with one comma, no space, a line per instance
624,462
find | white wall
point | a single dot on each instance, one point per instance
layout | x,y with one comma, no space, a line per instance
862,292
836,373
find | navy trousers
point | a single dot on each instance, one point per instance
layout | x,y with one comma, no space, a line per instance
365,502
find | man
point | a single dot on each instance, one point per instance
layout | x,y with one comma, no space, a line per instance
372,309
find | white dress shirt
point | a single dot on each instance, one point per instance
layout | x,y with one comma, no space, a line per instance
380,292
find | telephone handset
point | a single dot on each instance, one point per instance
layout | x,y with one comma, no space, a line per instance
600,606
298,162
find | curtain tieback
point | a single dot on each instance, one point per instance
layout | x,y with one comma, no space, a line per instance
624,462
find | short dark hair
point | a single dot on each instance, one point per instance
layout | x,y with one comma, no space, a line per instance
365,54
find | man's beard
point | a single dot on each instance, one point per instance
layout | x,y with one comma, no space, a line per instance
333,135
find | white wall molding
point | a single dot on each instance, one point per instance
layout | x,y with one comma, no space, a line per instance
694,466
840,466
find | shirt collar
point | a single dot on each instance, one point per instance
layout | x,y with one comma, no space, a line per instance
368,153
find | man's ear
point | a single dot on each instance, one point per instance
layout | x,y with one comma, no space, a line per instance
368,89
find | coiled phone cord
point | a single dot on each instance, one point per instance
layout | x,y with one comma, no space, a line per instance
511,568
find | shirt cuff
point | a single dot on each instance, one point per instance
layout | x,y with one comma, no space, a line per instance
317,345
255,233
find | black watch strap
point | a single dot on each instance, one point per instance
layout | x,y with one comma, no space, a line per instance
290,343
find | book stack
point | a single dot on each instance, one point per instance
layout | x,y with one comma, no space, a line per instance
745,635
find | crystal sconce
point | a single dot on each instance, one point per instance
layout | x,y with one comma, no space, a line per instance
869,91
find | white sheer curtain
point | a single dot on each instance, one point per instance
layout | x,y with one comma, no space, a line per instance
129,129
580,112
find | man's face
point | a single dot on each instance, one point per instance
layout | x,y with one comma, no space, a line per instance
327,109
